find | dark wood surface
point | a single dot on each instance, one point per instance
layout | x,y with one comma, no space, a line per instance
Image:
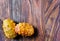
44,15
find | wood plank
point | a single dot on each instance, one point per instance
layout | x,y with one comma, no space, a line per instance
44,15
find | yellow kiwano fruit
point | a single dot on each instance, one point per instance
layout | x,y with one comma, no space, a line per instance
24,29
9,28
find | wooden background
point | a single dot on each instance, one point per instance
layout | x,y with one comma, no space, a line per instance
44,15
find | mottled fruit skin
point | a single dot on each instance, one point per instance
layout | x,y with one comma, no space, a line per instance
9,28
24,29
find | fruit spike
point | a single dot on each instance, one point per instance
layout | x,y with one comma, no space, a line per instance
24,29
8,27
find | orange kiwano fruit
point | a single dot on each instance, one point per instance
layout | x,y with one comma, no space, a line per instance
9,28
24,29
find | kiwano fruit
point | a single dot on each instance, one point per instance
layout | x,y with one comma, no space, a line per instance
9,28
24,29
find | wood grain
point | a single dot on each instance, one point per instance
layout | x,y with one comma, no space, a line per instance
44,15
52,17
